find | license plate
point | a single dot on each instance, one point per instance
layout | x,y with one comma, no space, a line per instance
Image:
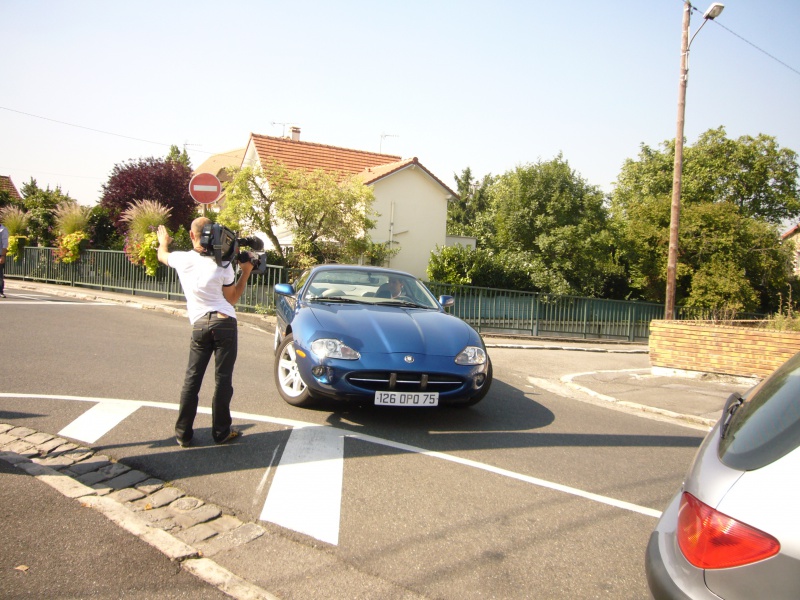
407,398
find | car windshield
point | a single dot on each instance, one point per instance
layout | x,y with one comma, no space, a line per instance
369,287
766,425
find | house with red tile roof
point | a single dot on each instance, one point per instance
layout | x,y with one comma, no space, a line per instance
6,185
410,200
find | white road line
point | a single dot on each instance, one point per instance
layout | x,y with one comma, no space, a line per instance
306,492
99,420
642,510
58,302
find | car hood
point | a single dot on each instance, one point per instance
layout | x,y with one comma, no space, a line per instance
392,329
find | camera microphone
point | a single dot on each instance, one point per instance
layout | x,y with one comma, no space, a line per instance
253,242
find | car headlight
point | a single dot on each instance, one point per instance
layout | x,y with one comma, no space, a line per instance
328,348
471,355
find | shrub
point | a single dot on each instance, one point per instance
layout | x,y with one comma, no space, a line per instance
141,245
71,217
70,246
15,219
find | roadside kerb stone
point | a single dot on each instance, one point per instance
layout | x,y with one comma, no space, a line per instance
63,483
186,504
5,427
38,438
114,469
150,486
6,439
51,445
127,479
161,498
92,478
94,463
197,533
78,454
56,462
222,579
22,447
224,523
21,432
63,448
237,537
126,495
128,520
199,515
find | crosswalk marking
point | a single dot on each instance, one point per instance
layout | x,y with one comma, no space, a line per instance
306,492
99,420
310,472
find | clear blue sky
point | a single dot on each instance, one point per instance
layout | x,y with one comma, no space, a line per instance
485,85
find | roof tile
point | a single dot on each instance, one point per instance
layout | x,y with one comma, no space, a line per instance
6,185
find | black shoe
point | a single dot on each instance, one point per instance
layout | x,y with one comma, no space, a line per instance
234,433
183,443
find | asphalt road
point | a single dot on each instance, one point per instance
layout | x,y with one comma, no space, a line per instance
529,494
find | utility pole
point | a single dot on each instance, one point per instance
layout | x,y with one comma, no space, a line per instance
712,13
677,176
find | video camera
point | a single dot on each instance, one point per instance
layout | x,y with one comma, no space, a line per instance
221,243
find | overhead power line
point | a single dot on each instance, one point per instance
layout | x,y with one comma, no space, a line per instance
119,135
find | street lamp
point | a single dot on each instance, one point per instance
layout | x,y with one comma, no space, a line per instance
675,212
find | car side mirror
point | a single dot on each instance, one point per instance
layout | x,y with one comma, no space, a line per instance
447,301
284,289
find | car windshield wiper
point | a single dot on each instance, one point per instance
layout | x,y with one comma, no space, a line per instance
407,303
732,405
339,299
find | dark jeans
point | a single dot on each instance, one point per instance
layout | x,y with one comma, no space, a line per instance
214,334
2,282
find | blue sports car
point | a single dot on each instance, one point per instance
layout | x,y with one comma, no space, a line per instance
373,335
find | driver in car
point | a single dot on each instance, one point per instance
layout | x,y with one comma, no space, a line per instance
392,289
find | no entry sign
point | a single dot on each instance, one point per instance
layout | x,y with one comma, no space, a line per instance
205,188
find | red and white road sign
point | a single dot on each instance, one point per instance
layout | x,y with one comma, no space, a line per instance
205,188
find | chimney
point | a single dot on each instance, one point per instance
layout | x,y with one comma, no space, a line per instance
295,134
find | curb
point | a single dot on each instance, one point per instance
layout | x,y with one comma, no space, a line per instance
668,414
45,456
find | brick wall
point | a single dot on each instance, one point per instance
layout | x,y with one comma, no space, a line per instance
710,348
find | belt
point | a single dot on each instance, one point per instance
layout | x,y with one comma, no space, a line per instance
216,313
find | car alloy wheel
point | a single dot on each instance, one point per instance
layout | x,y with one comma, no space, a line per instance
291,386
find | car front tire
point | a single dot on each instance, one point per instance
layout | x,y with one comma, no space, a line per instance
290,385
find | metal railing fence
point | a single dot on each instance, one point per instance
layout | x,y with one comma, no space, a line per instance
538,314
486,309
110,270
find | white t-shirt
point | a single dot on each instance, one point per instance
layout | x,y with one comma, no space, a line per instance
202,282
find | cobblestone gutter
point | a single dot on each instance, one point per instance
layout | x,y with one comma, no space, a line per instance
185,529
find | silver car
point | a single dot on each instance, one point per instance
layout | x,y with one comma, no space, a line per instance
733,529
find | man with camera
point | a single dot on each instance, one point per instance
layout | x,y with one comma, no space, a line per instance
211,291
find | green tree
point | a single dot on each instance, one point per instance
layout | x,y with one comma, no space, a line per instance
40,206
324,212
176,155
464,214
557,224
730,255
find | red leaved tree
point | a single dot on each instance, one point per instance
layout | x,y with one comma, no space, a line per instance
162,180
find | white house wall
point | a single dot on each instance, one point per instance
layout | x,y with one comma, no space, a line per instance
412,211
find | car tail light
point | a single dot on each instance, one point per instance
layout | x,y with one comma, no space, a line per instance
712,540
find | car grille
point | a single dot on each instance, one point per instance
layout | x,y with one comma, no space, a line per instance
404,382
